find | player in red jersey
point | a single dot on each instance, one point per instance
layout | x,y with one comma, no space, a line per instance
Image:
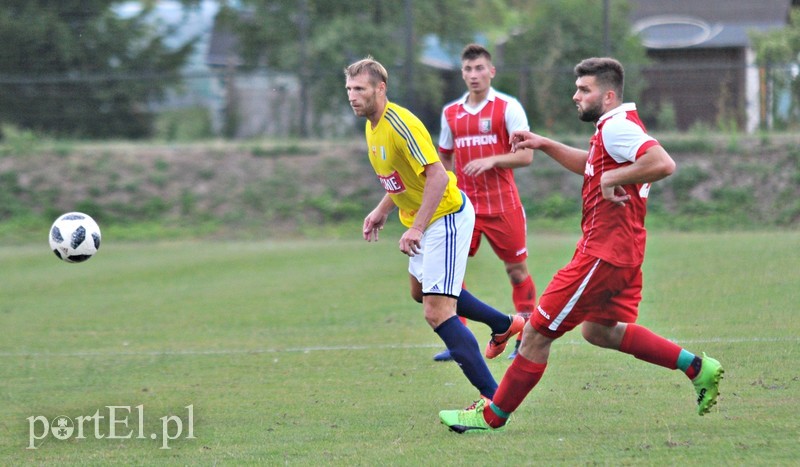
601,287
474,142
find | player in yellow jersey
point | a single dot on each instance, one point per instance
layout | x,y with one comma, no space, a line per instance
438,216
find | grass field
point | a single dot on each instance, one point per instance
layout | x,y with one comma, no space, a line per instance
312,353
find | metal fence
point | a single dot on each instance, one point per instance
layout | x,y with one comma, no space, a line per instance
262,103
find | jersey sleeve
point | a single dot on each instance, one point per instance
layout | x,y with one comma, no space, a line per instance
418,147
445,136
516,119
624,139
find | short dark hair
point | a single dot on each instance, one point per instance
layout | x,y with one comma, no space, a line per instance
473,51
377,73
607,71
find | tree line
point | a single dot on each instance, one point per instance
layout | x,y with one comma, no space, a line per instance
119,64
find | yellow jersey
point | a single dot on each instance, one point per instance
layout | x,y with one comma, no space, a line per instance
399,149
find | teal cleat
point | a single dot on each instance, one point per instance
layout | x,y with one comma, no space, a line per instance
707,384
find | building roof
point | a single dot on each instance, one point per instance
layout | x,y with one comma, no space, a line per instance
677,24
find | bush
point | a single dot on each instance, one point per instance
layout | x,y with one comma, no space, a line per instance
555,206
184,124
686,179
17,142
667,120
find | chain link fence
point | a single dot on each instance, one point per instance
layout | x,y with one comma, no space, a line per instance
232,103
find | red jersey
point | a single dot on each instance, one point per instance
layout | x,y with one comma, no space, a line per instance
475,132
613,233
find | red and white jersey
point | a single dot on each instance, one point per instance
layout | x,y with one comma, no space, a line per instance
475,132
613,233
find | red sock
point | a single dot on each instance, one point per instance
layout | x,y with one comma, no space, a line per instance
645,345
519,380
524,295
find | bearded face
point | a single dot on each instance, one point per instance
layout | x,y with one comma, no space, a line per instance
362,95
589,99
590,112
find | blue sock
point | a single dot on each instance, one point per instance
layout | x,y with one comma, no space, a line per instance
465,351
473,309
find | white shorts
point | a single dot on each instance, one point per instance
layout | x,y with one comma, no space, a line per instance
442,263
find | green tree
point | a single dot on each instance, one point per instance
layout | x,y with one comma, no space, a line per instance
539,56
316,39
75,67
777,53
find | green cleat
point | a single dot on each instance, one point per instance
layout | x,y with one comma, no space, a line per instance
469,420
707,384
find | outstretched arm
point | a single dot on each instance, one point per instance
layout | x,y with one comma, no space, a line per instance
573,159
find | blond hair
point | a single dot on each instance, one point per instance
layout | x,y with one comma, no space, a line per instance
377,73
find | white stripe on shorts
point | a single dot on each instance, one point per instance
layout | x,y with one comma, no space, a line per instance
441,264
573,300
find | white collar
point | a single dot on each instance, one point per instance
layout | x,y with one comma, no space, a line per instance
626,107
489,97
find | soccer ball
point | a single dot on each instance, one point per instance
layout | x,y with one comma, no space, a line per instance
74,237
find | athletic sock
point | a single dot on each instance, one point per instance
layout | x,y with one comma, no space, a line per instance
465,351
689,363
473,309
461,318
645,345
524,295
520,378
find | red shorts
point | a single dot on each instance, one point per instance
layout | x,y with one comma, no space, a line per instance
507,233
588,289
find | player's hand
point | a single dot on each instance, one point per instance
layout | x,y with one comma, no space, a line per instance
411,242
478,166
615,194
373,224
611,190
524,140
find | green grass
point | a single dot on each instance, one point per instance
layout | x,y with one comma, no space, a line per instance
311,352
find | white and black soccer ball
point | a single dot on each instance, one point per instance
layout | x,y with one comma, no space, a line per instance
74,237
